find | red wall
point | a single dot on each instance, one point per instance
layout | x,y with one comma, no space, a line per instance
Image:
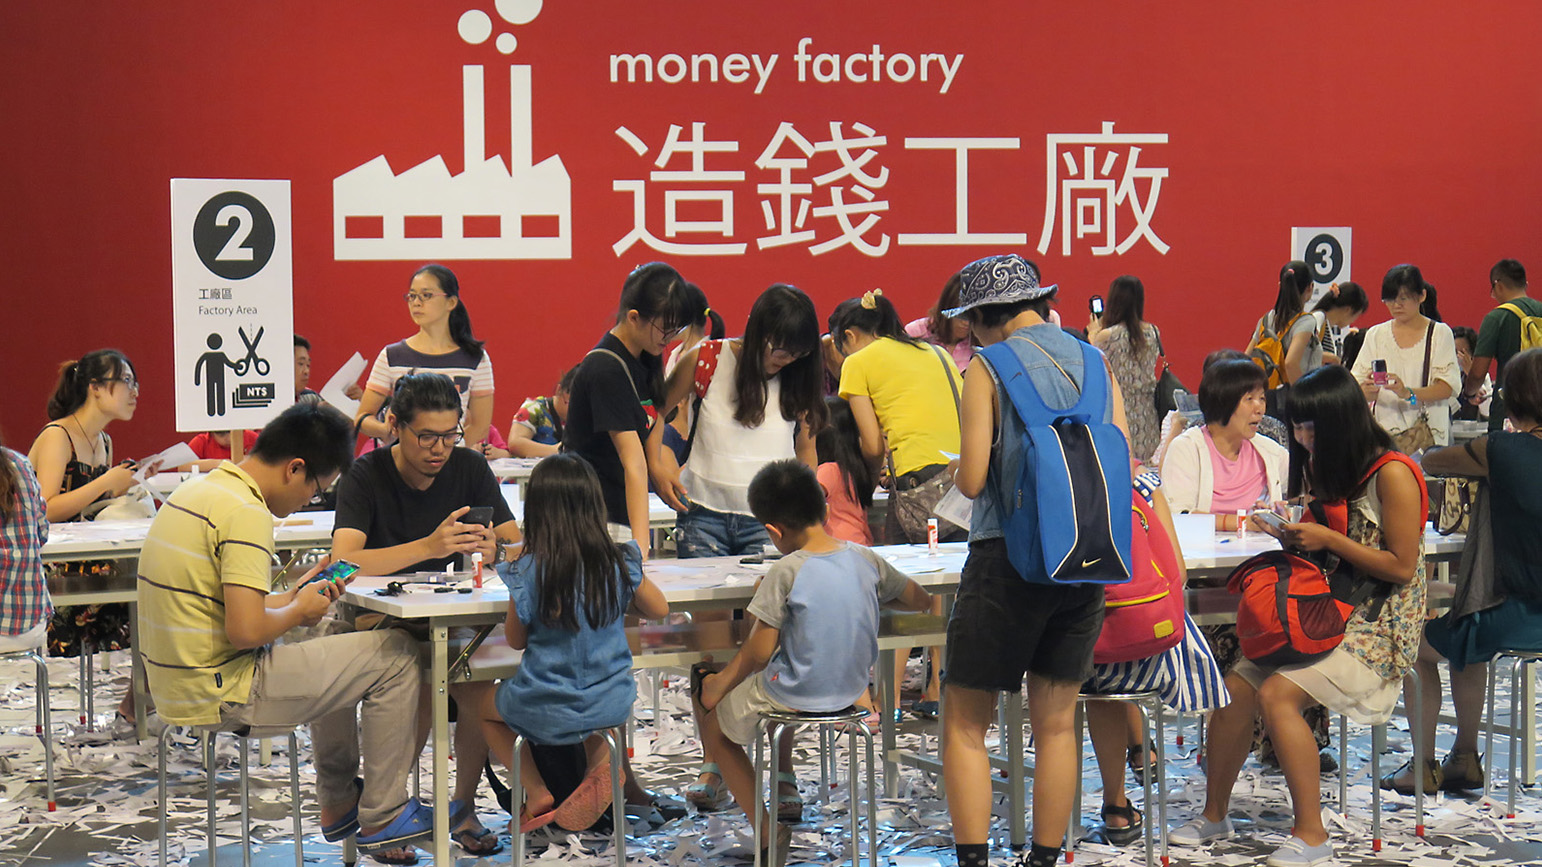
1413,123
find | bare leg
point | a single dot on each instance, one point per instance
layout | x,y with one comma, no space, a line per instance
1469,690
1108,725
499,740
470,743
966,771
1282,702
1227,745
738,772
1057,760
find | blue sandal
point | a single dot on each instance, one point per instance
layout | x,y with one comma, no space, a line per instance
789,805
346,826
705,796
413,824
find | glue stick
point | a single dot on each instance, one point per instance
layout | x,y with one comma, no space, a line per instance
931,535
1242,523
476,569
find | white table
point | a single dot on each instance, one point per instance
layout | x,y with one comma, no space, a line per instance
102,540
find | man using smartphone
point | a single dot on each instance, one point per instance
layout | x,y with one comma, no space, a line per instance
209,615
423,504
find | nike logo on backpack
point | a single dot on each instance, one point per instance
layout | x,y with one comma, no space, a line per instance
1086,563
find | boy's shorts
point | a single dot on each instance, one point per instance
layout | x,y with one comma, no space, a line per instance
1003,626
739,711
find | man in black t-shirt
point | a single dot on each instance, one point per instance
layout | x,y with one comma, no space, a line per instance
1499,336
398,511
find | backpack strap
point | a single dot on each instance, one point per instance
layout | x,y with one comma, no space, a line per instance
701,379
625,368
1029,404
1514,308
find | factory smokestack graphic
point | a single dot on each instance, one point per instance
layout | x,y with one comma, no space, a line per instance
488,211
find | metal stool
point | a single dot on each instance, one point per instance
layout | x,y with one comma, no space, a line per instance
1520,663
1149,703
45,720
1379,744
617,801
775,724
208,736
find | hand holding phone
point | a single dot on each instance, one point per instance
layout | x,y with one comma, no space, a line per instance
1272,524
1096,305
1379,372
480,515
340,573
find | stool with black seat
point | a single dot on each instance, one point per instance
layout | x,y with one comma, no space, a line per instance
245,736
1149,703
773,724
45,720
1520,666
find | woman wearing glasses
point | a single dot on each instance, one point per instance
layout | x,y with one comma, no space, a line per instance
444,344
73,459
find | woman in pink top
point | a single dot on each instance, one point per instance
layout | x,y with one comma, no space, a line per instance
845,476
951,334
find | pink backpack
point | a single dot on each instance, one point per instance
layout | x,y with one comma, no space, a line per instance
1143,617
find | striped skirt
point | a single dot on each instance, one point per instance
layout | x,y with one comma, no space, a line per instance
1186,676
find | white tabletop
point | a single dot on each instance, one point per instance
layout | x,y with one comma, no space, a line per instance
88,540
512,469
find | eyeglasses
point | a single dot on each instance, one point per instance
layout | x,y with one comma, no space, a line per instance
129,381
423,297
427,440
787,356
667,333
316,487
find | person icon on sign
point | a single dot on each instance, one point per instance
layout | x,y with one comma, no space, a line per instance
213,363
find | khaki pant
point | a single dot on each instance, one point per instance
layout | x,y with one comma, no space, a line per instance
351,686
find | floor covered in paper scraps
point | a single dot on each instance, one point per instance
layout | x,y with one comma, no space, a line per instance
107,802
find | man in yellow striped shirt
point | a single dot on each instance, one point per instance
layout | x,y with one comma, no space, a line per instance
209,616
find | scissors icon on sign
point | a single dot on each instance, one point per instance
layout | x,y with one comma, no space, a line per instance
251,359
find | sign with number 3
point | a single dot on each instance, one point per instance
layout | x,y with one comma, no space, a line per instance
1326,251
232,294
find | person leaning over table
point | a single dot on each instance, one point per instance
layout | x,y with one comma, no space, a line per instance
1512,464
399,511
209,617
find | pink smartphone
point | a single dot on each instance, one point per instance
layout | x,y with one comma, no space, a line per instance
1379,371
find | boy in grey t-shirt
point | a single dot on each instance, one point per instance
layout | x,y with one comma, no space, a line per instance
816,631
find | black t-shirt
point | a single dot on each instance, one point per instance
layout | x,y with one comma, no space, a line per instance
604,399
373,499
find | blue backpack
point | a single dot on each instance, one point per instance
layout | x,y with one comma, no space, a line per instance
1067,516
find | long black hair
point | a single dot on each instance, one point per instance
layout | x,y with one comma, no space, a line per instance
1295,286
1127,307
460,319
577,565
1350,294
77,377
659,294
872,313
1346,439
710,321
840,444
783,317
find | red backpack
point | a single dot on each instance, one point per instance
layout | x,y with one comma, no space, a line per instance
1144,616
1294,609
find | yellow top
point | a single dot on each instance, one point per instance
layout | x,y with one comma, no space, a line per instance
911,396
210,533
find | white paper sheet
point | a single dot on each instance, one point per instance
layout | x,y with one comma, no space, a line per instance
178,455
332,392
955,508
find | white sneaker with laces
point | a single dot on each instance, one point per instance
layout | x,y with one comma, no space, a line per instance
1199,831
1296,853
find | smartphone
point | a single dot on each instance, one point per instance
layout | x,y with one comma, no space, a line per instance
1379,371
1096,305
340,571
1267,517
482,515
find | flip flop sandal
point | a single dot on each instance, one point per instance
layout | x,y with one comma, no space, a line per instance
479,843
789,805
699,671
346,826
404,857
705,796
588,802
529,823
1127,834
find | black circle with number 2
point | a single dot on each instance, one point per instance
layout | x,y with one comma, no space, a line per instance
233,235
1326,257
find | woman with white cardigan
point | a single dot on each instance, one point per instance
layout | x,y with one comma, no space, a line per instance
1223,467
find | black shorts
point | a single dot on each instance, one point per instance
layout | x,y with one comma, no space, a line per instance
1003,626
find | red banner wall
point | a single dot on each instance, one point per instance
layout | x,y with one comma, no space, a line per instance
1177,142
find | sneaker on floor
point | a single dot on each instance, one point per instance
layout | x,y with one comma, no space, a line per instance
1295,853
1200,831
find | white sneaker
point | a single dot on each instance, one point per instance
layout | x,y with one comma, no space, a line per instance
1295,853
1199,831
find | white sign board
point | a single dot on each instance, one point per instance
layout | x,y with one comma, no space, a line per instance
1326,251
232,290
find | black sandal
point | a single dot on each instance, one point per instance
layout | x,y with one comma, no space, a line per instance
1127,834
1140,759
699,672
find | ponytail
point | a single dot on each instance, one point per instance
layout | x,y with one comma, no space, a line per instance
1295,283
77,377
871,313
460,318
